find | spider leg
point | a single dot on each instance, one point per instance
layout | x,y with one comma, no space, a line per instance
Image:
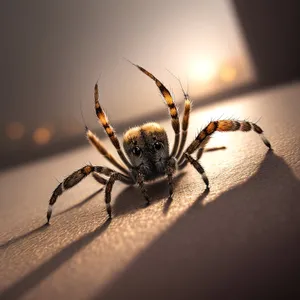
99,179
170,170
185,123
140,181
108,128
222,125
210,149
96,142
172,107
184,162
76,177
112,179
198,167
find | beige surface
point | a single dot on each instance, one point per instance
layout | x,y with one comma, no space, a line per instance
240,238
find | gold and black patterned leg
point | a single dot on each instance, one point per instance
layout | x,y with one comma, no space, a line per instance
141,184
171,168
171,105
222,126
93,139
108,128
76,177
198,167
111,181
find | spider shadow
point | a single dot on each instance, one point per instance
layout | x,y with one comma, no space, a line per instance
243,243
34,232
131,198
19,288
24,236
81,203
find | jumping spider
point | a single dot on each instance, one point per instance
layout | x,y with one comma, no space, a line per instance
147,149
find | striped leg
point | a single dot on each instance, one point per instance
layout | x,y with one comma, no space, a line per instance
140,182
108,128
75,178
113,177
184,161
96,142
185,123
171,168
172,108
198,167
99,179
222,125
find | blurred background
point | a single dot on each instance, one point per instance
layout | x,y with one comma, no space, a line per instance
53,52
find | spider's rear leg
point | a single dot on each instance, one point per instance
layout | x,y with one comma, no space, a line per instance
201,150
199,168
223,125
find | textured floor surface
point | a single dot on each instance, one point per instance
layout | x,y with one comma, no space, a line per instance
242,239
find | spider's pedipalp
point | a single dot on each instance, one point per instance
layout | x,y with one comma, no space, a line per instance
96,142
171,105
108,128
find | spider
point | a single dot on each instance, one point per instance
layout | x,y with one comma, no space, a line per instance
147,150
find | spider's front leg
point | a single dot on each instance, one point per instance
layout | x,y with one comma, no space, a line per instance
170,170
113,177
82,173
140,181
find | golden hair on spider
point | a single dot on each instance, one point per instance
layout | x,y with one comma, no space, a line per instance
148,156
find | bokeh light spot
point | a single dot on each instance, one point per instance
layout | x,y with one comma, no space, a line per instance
42,136
228,74
15,130
204,70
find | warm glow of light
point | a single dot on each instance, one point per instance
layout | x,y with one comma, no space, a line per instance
203,70
42,136
15,130
228,73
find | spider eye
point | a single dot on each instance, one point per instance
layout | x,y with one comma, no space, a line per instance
158,146
137,151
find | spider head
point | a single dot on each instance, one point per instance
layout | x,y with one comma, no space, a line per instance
147,147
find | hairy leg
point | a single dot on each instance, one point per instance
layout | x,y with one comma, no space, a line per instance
108,128
98,145
171,104
222,125
75,178
198,167
111,181
171,168
141,184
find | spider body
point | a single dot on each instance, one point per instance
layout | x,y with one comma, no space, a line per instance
147,150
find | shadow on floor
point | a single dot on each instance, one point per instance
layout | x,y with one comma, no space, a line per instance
242,244
131,198
245,244
38,230
32,279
